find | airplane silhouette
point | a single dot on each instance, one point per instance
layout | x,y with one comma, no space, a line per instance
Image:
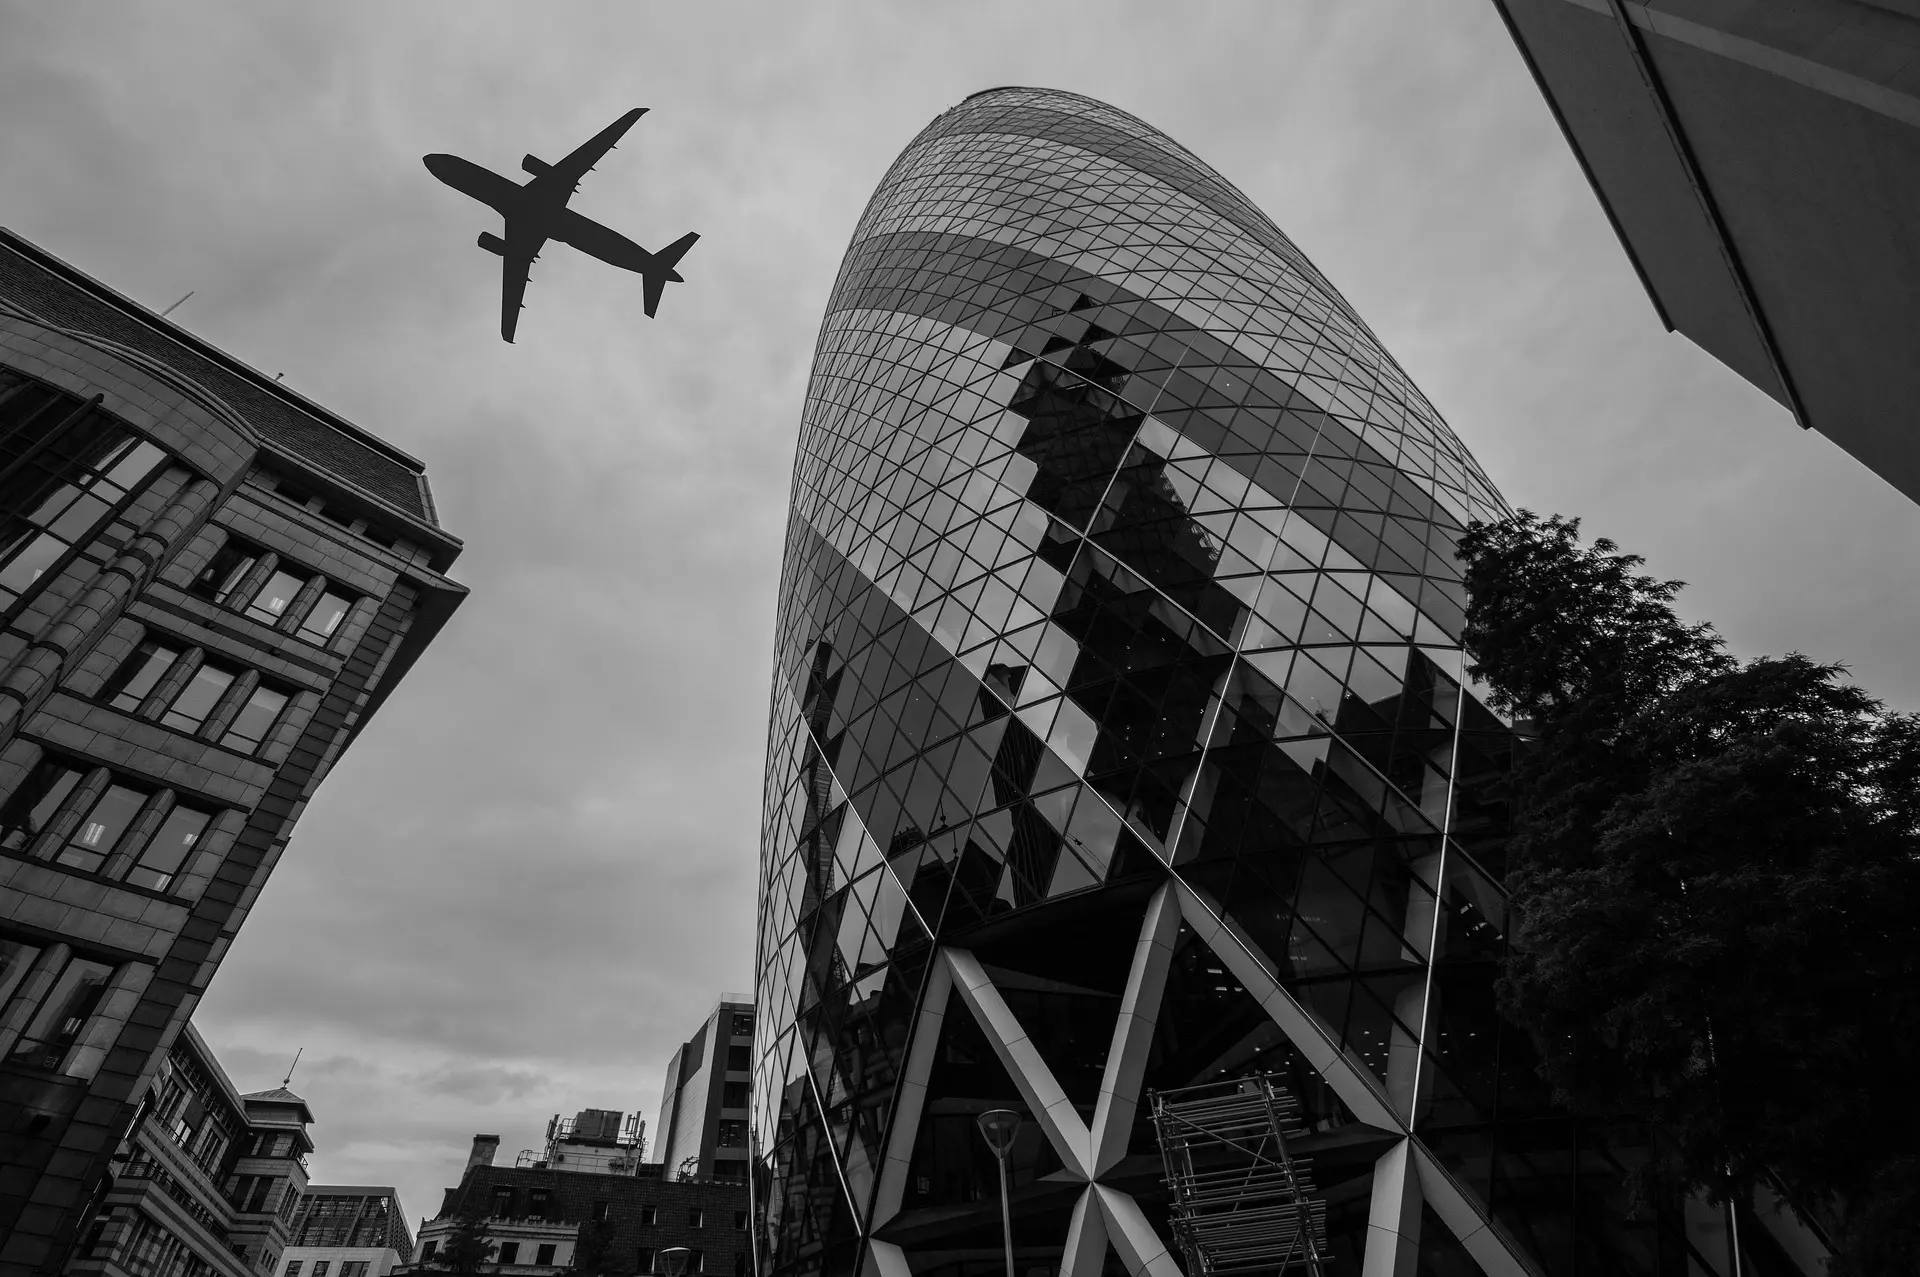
537,212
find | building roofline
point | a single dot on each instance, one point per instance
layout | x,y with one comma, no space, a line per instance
200,346
219,1072
351,1190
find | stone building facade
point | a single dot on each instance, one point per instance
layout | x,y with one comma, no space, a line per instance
208,584
207,1182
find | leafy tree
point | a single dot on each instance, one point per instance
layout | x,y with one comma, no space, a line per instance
1715,877
596,1255
466,1247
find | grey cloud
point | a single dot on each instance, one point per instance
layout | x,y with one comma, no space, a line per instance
480,1083
538,861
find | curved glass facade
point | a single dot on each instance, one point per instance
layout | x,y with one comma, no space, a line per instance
1119,741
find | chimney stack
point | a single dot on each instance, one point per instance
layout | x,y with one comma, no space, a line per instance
484,1147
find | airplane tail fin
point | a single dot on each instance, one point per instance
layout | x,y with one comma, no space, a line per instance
659,270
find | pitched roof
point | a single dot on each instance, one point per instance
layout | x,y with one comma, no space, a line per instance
280,1095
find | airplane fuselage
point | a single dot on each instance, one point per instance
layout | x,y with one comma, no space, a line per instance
536,211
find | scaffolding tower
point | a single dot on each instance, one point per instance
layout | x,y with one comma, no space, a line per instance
1240,1199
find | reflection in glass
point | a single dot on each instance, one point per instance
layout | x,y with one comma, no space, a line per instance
255,719
271,603
197,699
94,837
325,617
138,674
167,851
62,1014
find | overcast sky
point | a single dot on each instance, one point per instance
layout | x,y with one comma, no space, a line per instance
534,872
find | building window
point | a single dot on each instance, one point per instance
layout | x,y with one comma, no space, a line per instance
32,806
62,1014
255,721
59,487
94,837
261,1188
742,1026
271,603
739,1059
358,1268
733,1095
155,859
538,1201
169,847
187,1122
740,1264
739,1221
502,1202
232,561
731,1133
544,1255
697,1262
645,1260
599,1210
197,699
509,1254
427,1251
696,1218
320,1267
325,616
293,1268
141,672
649,1215
138,674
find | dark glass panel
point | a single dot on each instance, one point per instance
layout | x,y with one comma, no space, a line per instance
34,803
232,561
137,675
62,1015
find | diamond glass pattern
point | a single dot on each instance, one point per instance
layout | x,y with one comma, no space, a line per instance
1119,739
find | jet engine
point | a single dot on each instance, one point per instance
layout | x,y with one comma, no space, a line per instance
534,164
493,243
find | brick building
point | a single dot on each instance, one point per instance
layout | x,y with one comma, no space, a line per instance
704,1098
544,1220
208,584
206,1183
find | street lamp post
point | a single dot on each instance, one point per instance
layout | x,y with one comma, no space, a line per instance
999,1126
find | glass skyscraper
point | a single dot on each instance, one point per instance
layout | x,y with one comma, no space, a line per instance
1119,742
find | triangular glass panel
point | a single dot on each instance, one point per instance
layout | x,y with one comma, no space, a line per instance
951,1164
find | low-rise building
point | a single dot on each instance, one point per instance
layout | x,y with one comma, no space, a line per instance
542,1220
207,1180
347,1230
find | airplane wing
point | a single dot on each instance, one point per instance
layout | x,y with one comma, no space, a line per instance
516,268
567,173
